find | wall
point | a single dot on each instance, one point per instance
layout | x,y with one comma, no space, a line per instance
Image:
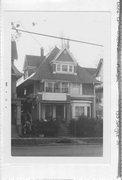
88,89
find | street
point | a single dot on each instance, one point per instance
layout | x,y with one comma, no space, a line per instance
60,150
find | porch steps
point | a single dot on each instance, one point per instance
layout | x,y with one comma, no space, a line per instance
63,131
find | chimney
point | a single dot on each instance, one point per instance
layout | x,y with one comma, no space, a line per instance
42,52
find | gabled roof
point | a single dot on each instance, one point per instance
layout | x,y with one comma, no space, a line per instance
15,71
64,55
99,66
50,57
33,61
44,71
92,71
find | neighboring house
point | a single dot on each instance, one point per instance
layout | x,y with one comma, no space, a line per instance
31,63
99,90
57,87
15,101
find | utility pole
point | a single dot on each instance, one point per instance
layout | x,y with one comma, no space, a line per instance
119,53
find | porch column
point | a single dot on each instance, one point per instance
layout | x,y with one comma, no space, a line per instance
40,116
54,111
69,116
18,121
85,110
64,111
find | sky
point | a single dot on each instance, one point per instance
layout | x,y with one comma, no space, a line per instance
93,27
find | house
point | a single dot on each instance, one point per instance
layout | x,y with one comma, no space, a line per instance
15,101
55,86
99,90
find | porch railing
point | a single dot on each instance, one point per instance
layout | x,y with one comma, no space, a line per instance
56,90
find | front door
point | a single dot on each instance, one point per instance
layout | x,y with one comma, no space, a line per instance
60,112
48,112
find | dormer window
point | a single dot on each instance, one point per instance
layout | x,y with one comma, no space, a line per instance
70,68
58,67
64,68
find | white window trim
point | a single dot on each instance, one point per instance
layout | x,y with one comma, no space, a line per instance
68,67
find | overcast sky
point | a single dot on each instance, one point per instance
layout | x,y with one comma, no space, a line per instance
84,26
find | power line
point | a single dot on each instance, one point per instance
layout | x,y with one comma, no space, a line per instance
56,37
31,35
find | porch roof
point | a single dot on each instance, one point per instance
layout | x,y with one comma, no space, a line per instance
54,102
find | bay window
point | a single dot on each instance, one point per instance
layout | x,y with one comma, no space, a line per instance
79,111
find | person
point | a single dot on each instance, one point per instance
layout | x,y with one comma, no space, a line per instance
27,124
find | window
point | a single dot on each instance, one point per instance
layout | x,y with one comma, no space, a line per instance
57,87
64,87
70,68
88,112
49,87
64,68
58,67
79,111
75,88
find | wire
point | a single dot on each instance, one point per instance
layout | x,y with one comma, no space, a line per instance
56,37
31,35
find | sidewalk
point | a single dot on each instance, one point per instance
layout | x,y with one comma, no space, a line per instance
55,141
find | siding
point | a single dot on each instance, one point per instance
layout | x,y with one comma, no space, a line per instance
87,89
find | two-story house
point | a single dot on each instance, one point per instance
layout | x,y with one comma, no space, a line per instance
55,86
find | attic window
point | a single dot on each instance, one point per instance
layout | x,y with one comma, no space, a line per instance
58,67
64,68
70,68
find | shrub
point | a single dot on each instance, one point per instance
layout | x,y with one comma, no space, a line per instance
86,127
36,128
48,128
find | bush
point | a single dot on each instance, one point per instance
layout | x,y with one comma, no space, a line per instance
48,128
86,127
36,128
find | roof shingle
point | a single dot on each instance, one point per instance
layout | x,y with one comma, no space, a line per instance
44,71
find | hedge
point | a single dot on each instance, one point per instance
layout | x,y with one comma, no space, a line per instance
86,127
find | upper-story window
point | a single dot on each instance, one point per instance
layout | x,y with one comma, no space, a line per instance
58,67
64,87
70,68
64,68
49,87
75,88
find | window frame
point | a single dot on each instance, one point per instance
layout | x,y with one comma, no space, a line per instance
77,113
58,67
71,70
66,66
